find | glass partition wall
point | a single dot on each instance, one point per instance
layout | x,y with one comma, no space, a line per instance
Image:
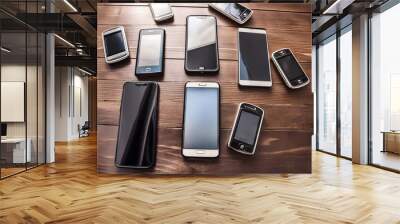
22,78
334,94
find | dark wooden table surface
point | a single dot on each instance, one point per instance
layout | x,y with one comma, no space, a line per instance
285,141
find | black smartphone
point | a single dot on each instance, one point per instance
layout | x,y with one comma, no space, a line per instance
201,120
290,69
137,133
150,52
245,131
201,48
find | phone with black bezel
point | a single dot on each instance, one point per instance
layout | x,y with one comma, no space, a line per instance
201,48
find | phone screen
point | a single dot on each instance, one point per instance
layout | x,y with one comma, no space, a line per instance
201,118
114,43
201,43
253,57
247,127
136,138
150,49
291,68
236,10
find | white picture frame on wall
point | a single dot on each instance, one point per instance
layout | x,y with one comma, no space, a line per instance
12,101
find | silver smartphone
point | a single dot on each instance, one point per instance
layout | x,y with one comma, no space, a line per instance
115,45
161,11
200,136
290,69
254,66
235,11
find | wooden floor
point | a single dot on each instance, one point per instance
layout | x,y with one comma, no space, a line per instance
70,191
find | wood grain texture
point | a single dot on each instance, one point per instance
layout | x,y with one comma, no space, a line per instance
170,161
285,141
71,191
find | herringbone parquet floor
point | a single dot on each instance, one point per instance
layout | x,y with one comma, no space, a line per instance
70,191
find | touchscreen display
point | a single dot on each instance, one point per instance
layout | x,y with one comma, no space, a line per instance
290,67
247,127
114,43
136,138
201,122
253,57
150,50
234,9
201,43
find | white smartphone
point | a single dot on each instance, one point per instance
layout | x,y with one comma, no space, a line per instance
115,45
290,69
235,11
200,136
253,57
161,11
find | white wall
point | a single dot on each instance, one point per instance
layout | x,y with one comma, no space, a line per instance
69,112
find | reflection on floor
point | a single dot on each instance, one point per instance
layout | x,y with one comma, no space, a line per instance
71,191
12,169
387,159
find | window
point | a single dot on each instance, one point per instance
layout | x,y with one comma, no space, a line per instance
346,76
385,89
326,100
334,94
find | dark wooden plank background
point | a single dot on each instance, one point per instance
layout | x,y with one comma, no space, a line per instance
285,141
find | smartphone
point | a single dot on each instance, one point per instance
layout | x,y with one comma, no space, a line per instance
150,52
201,120
137,132
254,67
201,48
161,11
246,129
115,45
235,11
290,69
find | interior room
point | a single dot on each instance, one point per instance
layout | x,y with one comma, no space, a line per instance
258,112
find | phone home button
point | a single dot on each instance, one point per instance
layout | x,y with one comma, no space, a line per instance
148,69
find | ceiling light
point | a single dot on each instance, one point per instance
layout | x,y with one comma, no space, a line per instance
5,49
84,71
70,5
65,41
